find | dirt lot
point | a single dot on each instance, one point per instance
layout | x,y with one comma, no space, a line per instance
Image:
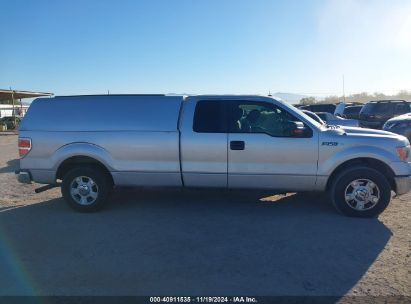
196,243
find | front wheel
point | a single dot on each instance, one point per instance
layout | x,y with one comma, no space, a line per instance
86,189
361,192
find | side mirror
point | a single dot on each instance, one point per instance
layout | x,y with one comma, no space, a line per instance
298,129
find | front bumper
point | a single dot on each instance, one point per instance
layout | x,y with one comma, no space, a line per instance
402,184
23,177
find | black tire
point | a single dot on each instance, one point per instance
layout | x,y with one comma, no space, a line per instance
102,185
343,181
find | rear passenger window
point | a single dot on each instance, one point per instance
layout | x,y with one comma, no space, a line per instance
209,117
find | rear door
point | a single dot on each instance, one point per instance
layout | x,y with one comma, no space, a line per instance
264,153
203,143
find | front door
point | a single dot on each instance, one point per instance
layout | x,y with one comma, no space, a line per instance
265,152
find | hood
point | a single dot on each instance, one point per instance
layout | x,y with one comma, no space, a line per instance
401,117
355,130
366,136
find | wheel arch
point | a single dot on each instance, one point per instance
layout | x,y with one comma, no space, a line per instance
77,153
78,161
369,162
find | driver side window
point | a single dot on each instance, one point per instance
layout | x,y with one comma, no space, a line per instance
259,117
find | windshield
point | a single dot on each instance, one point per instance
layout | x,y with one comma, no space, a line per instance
300,113
323,116
314,116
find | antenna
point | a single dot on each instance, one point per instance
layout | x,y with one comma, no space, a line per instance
269,94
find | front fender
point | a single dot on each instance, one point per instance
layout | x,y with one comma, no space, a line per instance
328,165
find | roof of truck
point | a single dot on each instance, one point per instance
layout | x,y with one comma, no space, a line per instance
209,96
95,95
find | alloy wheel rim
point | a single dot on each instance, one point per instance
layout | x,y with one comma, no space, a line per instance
362,194
84,190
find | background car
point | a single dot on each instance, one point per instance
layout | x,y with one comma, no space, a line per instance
314,116
322,107
400,125
374,114
335,120
10,123
352,112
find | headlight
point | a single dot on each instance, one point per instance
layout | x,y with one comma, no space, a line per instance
404,153
388,125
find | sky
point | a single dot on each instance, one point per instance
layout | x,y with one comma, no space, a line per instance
206,46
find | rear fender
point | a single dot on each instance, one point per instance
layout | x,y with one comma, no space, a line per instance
82,149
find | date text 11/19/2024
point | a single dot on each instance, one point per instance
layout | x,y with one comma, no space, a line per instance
239,299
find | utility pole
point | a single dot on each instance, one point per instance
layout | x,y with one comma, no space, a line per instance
12,99
343,83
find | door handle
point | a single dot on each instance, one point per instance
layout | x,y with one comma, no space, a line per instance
237,145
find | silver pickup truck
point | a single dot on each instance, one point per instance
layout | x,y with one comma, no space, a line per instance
89,144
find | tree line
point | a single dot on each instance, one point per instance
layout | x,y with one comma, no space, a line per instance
360,97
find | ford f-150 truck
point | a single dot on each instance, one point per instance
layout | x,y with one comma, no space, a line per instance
89,144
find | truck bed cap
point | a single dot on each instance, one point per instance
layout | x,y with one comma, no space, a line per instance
104,113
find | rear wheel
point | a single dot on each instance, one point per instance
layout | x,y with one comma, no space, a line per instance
361,192
86,189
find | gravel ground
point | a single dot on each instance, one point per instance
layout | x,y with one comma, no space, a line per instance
150,242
